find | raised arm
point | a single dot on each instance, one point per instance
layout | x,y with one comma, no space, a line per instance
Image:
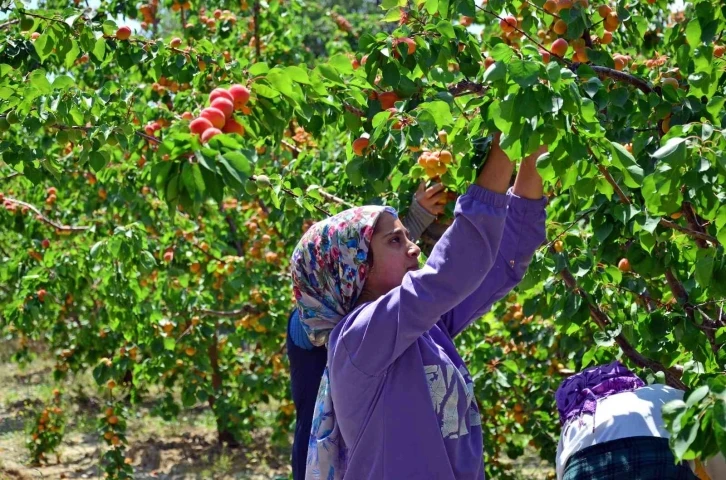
378,332
524,232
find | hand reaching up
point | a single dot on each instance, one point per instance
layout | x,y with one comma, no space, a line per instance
432,199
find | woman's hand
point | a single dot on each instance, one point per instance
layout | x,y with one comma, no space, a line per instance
432,199
497,171
529,182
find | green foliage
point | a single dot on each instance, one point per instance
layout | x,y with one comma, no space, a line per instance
156,259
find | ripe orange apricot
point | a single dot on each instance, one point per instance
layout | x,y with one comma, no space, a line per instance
545,56
604,10
670,81
465,21
215,116
233,126
508,23
200,125
620,62
564,4
624,265
224,105
240,95
611,22
360,145
559,47
123,33
388,100
220,93
558,246
560,27
445,157
175,42
408,41
550,6
209,133
606,39
719,50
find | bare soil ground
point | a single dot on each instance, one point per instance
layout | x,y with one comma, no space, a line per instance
185,448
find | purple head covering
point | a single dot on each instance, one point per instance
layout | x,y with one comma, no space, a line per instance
578,395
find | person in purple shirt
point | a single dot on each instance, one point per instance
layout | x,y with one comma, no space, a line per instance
307,362
396,400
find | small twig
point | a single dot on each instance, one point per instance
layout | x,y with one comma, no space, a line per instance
605,72
228,313
574,222
466,87
355,111
24,12
44,219
8,23
12,175
206,253
256,14
693,223
699,236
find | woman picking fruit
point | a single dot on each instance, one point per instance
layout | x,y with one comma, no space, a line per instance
307,362
396,400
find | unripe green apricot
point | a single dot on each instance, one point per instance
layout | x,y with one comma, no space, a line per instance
251,187
263,181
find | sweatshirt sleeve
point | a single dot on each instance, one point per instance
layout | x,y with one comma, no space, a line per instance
377,333
524,232
417,220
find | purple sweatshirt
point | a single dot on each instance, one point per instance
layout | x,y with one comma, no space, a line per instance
403,398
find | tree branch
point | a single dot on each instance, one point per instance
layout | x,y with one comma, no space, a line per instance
8,23
44,219
605,72
228,313
602,321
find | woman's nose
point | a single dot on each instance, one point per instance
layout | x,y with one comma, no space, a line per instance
414,250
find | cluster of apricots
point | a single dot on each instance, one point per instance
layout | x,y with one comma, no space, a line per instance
217,16
46,434
219,116
343,24
149,11
112,420
435,162
164,85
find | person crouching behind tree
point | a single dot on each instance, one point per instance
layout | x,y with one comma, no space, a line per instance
612,428
396,400
307,362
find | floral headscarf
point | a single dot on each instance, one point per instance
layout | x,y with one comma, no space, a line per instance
329,267
578,395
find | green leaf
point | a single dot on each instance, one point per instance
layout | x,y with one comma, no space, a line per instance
673,152
697,395
524,72
624,161
99,50
496,71
298,75
719,424
39,80
63,82
44,45
97,160
440,111
705,259
259,69
239,162
693,33
501,52
445,28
